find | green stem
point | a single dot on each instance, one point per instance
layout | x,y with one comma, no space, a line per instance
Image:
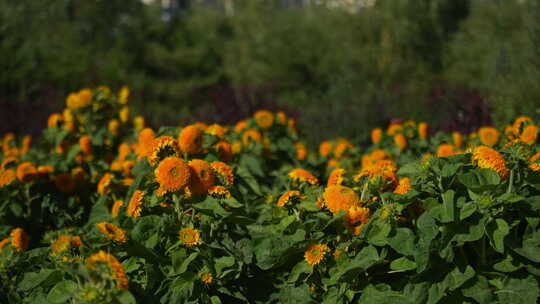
510,182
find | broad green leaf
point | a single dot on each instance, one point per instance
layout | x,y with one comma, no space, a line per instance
180,269
298,269
496,232
222,263
448,210
62,291
402,264
479,290
519,291
43,277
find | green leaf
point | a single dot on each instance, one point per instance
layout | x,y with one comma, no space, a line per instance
402,264
480,179
496,233
99,212
531,247
479,290
298,269
519,291
185,264
382,294
252,163
467,210
125,297
403,241
289,294
222,263
448,214
43,277
62,291
366,258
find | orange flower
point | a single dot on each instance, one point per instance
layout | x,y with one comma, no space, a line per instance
385,169
236,147
190,140
342,147
357,217
112,232
400,141
134,206
26,172
423,130
301,150
145,142
114,127
104,184
85,143
485,157
7,177
240,126
202,176
264,118
216,129
65,183
19,239
206,277
404,186
118,272
54,120
339,198
288,197
376,135
458,139
223,172
336,177
373,157
116,208
302,175
219,192
281,118
224,150
190,236
251,136
26,142
520,122
172,174
315,254
8,162
529,134
63,243
325,148
489,136
3,243
446,150
394,128
163,146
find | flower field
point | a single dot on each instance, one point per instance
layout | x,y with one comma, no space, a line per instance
101,209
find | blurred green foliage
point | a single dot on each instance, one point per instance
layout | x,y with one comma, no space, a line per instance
341,73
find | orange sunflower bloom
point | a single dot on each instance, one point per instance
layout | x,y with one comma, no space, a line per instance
112,232
172,174
356,218
400,141
316,253
19,239
190,140
216,129
533,164
301,150
145,142
489,136
219,192
118,272
457,139
7,177
240,126
206,277
85,143
223,172
190,236
104,184
163,146
116,208
423,130
339,198
336,177
485,157
445,150
325,148
376,135
529,134
264,118
404,186
134,208
303,176
385,169
26,172
288,197
225,151
202,176
251,136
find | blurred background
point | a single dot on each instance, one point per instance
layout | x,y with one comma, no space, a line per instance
340,67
